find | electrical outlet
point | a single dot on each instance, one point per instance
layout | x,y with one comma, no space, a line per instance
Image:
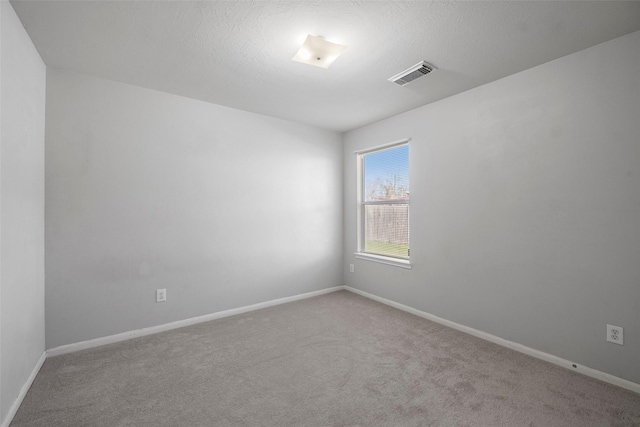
615,334
351,268
161,295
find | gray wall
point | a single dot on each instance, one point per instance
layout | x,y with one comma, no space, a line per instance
525,207
147,190
21,207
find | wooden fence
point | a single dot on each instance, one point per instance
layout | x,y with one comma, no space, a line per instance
387,223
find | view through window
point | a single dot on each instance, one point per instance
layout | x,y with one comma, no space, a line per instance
384,198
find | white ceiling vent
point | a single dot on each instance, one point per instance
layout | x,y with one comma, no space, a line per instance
410,74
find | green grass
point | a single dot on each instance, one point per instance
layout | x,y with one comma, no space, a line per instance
389,249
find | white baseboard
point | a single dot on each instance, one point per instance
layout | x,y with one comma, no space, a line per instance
585,370
23,391
97,342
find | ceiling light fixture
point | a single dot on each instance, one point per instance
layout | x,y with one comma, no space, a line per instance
318,52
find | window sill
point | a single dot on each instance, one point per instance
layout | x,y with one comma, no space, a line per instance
396,262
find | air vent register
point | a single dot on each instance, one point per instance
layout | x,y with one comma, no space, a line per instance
410,74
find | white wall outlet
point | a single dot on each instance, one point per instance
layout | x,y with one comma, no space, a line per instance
161,295
351,268
615,334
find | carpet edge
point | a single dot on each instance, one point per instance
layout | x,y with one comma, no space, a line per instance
556,360
13,409
110,339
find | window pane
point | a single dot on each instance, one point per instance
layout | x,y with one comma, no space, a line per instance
386,174
387,230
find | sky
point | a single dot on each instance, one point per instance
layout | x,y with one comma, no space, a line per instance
387,163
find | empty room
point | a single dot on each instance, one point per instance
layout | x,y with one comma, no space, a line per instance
319,213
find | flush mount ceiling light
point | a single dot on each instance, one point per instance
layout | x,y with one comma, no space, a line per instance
317,51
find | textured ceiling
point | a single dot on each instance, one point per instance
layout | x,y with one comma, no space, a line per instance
238,54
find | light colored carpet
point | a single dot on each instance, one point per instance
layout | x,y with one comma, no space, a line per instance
334,360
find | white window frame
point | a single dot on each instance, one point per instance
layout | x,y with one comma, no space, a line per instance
360,254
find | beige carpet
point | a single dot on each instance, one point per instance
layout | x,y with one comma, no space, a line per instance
334,360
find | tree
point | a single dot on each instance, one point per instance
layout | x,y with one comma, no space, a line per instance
389,189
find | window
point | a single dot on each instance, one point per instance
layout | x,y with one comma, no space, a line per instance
383,204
